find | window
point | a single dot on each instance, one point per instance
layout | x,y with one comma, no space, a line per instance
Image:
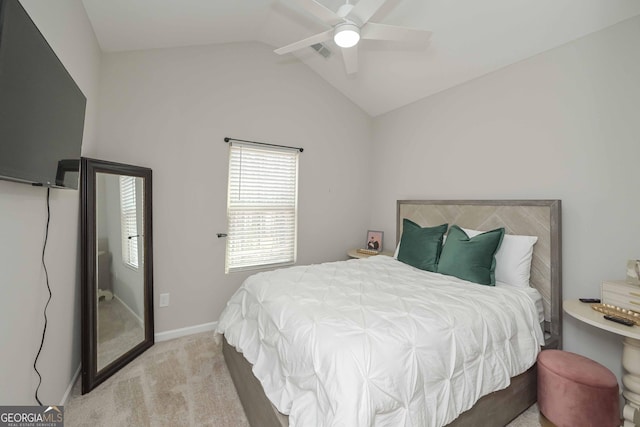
129,221
262,207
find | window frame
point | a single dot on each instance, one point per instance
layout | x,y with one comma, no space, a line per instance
129,222
260,212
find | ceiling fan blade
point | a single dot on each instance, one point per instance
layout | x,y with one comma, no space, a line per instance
350,57
373,31
364,10
321,12
318,38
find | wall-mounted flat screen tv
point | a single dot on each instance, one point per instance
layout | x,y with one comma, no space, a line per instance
41,107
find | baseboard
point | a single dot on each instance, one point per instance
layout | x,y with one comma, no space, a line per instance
67,393
133,313
181,332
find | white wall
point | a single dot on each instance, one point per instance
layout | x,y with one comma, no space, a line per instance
563,124
169,109
22,228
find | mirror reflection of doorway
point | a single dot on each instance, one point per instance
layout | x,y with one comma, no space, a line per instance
120,272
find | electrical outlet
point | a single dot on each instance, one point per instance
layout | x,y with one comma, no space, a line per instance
164,300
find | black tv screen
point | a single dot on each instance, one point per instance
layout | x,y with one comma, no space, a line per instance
41,107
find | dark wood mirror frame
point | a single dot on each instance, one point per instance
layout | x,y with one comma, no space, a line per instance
91,376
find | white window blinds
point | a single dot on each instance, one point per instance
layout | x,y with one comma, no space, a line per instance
129,221
261,207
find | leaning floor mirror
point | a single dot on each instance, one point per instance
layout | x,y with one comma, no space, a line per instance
117,267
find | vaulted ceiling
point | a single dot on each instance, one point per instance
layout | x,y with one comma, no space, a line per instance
470,37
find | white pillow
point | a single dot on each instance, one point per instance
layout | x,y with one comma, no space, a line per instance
513,259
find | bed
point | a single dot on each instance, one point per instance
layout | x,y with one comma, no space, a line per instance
385,392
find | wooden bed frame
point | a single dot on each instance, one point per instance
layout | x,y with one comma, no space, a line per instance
540,218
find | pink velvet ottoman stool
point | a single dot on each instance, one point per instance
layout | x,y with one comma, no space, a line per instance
575,391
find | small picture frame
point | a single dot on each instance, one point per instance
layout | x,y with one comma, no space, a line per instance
374,240
633,272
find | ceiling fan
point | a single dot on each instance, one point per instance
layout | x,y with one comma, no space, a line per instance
350,24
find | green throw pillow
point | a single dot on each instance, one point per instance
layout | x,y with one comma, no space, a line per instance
471,258
420,247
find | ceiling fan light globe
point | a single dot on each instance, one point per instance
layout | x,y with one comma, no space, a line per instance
347,35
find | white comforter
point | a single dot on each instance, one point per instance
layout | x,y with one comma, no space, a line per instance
374,342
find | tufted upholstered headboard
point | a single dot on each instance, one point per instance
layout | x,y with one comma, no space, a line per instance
541,218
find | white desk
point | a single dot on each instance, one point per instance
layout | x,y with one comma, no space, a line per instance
630,355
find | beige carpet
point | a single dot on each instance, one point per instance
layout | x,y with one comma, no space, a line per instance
118,331
183,382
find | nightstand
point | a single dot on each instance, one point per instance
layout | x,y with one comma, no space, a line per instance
353,253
